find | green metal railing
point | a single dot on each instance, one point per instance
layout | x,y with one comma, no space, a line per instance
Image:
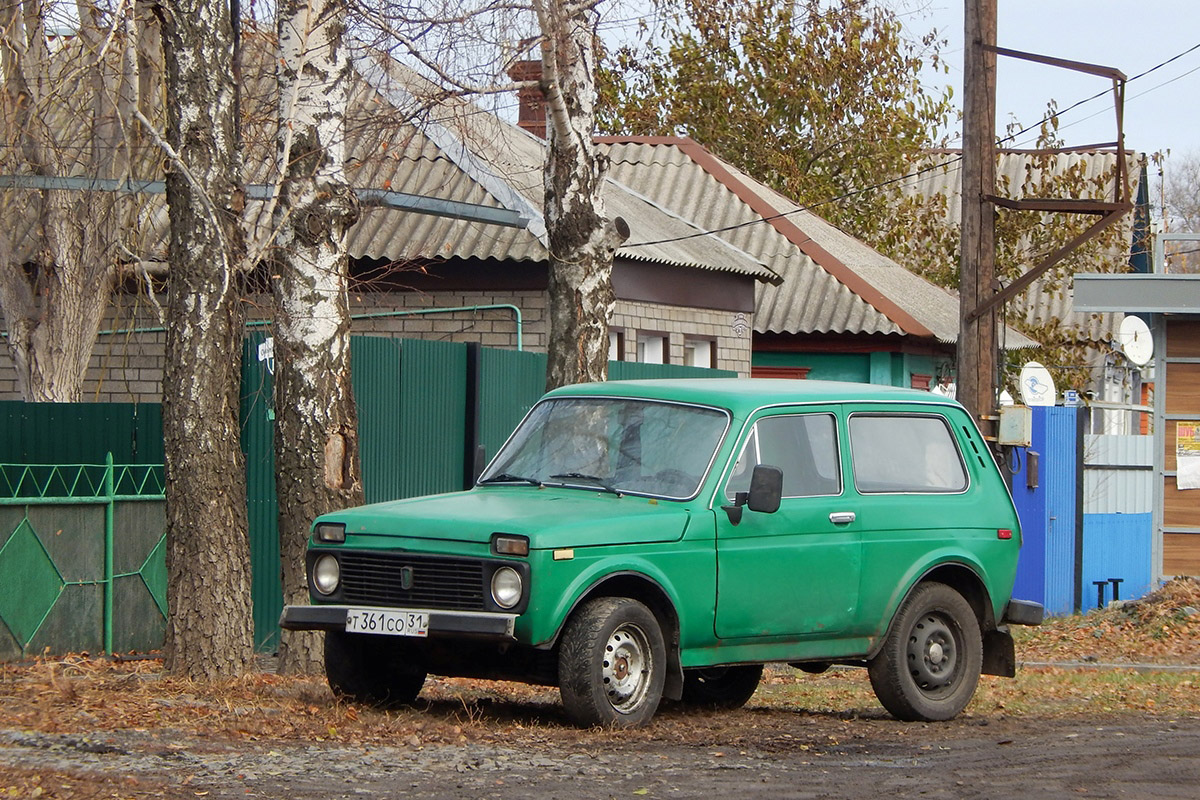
48,551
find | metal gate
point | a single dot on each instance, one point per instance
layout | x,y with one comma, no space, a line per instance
82,558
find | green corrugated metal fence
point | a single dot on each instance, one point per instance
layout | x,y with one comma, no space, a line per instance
411,397
509,382
80,433
424,409
258,430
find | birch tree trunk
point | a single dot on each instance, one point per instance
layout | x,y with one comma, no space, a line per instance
582,240
209,624
316,424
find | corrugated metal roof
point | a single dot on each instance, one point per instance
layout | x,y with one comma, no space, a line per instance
456,152
1048,299
403,135
811,299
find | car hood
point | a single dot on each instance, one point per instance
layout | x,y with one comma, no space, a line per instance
550,517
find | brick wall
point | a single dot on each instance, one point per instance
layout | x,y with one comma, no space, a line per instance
730,331
127,365
489,327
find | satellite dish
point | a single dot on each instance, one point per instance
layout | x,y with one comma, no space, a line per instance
1037,387
1135,340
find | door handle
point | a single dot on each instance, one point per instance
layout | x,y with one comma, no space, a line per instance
841,517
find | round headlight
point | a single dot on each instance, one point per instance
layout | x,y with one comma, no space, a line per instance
506,587
326,574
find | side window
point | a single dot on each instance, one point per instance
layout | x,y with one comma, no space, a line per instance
804,446
905,453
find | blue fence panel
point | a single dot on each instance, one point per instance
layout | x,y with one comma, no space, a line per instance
1031,509
1117,546
1061,474
1048,512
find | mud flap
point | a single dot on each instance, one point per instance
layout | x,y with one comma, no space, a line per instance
999,653
673,686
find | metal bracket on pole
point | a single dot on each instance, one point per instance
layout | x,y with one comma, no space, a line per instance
1021,283
1109,211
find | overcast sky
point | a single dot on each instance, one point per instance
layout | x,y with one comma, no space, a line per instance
1162,109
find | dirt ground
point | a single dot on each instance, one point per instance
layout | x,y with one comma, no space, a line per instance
1121,721
776,753
478,740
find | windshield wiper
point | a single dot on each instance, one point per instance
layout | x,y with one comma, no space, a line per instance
579,476
505,477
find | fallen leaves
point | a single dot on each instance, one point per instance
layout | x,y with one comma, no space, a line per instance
1161,628
75,695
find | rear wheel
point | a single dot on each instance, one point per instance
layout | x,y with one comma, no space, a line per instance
383,671
612,664
929,666
721,687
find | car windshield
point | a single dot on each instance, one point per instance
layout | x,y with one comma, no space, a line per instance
612,444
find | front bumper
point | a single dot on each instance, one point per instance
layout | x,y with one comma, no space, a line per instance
441,623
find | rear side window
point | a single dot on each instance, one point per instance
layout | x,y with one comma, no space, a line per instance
905,453
804,446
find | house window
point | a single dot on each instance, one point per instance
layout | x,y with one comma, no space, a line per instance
652,348
699,353
920,381
616,345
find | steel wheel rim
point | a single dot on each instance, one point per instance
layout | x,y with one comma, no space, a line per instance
626,668
933,654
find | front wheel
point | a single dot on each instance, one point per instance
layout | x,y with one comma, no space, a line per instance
721,687
929,666
612,664
382,671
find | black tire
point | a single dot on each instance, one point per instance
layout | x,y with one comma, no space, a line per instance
382,671
720,687
929,666
612,664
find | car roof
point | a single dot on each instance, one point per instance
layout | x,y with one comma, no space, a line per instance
743,395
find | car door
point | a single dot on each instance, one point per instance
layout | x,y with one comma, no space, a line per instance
917,502
796,571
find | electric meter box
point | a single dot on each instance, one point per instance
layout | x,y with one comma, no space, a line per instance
1016,426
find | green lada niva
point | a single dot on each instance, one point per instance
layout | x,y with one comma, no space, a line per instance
637,540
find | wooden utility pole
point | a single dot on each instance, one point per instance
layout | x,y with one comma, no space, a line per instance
976,379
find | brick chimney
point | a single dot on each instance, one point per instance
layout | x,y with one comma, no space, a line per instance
531,114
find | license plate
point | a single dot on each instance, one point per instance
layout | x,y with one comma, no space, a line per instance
387,623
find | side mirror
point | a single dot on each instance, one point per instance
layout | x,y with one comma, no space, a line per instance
766,489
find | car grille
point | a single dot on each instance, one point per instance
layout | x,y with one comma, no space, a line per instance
377,579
